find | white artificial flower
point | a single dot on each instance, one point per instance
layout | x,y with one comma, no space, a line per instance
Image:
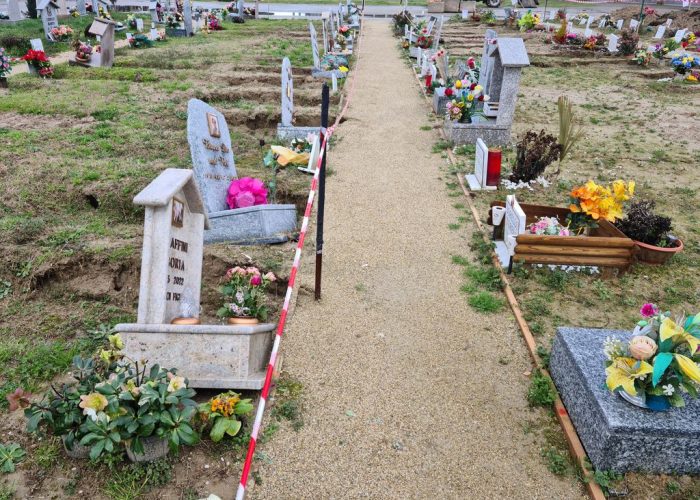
668,390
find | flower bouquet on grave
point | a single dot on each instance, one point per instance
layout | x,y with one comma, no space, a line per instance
424,41
84,52
62,33
464,108
345,31
104,14
592,202
529,21
39,62
246,192
131,21
549,226
658,363
685,64
305,145
642,57
244,295
140,41
173,20
341,42
221,414
330,62
231,7
5,68
214,23
560,15
560,35
574,39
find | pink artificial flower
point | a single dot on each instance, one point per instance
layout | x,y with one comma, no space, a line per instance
246,192
471,63
253,270
648,310
256,280
270,277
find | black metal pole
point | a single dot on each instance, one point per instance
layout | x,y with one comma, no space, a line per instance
325,101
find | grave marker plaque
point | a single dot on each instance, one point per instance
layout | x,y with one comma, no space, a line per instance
13,11
514,223
679,35
139,24
37,44
612,44
634,24
619,24
49,16
660,32
477,180
212,154
287,93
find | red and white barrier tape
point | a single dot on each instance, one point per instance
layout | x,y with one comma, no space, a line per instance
240,494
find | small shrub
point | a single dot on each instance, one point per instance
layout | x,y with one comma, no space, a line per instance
628,42
642,224
534,153
20,43
557,462
606,478
541,392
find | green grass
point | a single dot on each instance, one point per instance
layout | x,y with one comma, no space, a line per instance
541,391
486,302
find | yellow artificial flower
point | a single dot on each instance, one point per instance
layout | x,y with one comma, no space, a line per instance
670,330
624,371
458,84
344,69
688,367
470,97
691,78
478,88
115,341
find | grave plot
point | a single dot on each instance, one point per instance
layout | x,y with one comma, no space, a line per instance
634,128
93,139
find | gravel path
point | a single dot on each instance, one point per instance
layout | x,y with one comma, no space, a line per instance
408,393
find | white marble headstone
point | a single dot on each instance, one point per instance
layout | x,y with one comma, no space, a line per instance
212,154
287,93
36,44
619,24
679,35
612,44
187,15
152,5
669,21
514,223
139,24
602,23
660,32
634,24
80,7
171,260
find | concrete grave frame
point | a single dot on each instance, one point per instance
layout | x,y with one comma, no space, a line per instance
103,28
501,85
211,356
286,130
214,168
317,72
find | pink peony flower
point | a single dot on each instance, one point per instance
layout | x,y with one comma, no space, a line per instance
271,277
256,280
246,192
642,347
649,310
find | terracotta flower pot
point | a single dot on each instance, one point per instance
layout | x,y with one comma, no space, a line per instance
650,254
153,449
243,321
82,59
186,321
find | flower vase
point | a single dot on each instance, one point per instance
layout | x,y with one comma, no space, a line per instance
243,321
647,401
153,449
466,119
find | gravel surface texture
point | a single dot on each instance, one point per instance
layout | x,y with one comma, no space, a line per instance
408,392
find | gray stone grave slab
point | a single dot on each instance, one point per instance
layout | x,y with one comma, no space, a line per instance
95,7
48,10
214,168
80,7
187,15
617,435
486,61
104,30
152,6
210,356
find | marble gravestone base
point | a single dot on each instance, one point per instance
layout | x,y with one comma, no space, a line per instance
257,225
617,435
440,103
291,132
210,356
486,129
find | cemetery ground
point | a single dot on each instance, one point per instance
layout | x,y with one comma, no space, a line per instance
75,151
636,128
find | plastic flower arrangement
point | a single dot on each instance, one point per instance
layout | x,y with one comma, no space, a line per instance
304,145
38,60
659,362
139,41
61,33
104,14
5,68
341,41
244,293
221,414
463,109
345,31
529,21
685,64
172,20
688,39
83,52
592,202
642,57
214,23
548,226
424,41
131,21
246,192
693,77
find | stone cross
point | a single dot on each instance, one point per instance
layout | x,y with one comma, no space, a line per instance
80,7
660,32
514,223
171,260
619,24
612,44
104,29
486,61
152,5
287,93
314,46
49,19
13,11
212,154
187,15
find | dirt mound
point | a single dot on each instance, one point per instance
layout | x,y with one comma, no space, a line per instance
681,18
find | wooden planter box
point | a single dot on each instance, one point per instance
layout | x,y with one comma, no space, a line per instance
607,247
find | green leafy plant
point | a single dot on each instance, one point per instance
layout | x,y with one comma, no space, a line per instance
244,293
606,478
10,454
221,414
569,131
485,302
557,462
541,392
